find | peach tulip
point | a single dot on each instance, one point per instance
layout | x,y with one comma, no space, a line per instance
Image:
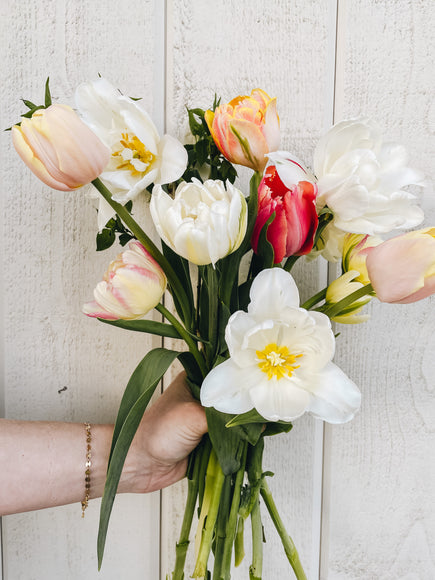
59,148
402,269
133,284
246,129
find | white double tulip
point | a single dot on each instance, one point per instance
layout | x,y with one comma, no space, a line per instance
139,156
204,222
280,359
361,179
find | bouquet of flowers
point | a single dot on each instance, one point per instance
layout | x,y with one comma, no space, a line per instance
255,357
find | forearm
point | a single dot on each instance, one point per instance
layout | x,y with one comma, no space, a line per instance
42,464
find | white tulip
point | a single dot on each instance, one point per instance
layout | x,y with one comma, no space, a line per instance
204,222
280,359
360,178
139,156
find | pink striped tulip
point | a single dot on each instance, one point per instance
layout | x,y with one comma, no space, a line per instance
246,129
402,269
133,284
292,230
59,148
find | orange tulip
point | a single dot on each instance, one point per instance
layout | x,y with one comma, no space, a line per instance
59,148
246,129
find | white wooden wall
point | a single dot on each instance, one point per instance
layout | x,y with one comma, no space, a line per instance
359,499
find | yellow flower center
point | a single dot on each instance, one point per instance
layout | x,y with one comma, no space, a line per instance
133,155
277,361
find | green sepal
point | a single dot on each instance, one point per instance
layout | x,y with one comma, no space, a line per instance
137,395
228,443
149,326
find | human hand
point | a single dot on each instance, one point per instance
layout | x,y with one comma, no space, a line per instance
170,429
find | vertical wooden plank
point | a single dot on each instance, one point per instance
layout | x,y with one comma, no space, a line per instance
50,267
230,48
380,503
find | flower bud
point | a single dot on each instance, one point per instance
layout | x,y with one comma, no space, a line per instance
402,269
204,222
293,228
59,148
132,285
341,288
246,129
355,250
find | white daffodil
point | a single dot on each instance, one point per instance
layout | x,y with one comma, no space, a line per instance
280,359
139,156
203,222
360,178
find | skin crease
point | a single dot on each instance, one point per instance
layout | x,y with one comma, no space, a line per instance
48,463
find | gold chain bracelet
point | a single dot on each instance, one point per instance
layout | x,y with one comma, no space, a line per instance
88,464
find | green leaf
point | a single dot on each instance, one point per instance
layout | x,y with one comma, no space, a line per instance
264,258
47,93
196,127
149,326
29,104
252,416
105,239
137,395
228,443
277,428
181,269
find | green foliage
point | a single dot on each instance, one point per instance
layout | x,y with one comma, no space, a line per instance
107,236
32,107
137,395
204,158
149,326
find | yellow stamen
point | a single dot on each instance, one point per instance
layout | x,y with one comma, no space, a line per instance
277,361
139,151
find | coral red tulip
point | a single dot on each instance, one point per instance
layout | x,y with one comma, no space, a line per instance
292,230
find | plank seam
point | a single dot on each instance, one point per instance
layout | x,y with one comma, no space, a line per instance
324,440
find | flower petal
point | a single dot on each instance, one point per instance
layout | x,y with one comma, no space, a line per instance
285,293
334,397
226,387
279,400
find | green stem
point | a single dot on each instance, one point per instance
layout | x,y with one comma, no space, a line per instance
221,526
232,520
185,336
256,568
239,548
207,519
314,299
192,494
148,244
290,262
338,307
287,542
